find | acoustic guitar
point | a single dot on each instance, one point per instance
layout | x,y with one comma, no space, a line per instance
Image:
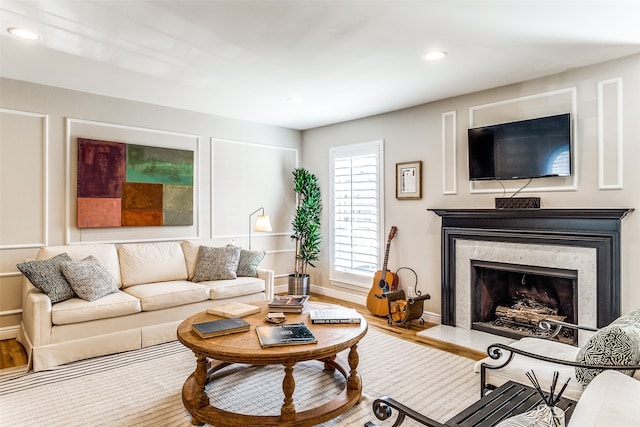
383,281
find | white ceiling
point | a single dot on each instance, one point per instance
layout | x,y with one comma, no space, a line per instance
346,59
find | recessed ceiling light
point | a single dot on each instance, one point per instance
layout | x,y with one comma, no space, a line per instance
24,33
295,100
434,55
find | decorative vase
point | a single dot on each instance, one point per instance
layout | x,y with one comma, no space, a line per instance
558,417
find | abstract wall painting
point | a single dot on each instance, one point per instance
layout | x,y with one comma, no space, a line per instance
127,185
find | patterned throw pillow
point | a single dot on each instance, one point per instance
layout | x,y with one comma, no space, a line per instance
615,344
216,263
88,278
249,261
46,275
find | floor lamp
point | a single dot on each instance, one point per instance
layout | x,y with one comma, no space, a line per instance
262,223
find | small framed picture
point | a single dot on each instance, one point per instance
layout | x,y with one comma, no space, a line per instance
409,180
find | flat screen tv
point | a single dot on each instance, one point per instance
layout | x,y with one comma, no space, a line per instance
532,148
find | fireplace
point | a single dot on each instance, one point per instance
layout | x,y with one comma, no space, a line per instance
586,241
510,299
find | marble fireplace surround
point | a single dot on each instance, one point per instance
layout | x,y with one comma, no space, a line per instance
581,259
586,240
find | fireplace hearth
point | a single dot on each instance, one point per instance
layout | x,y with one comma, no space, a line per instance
594,235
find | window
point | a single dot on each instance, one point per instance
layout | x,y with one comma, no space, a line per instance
356,211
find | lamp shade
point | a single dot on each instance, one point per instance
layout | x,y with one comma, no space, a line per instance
262,223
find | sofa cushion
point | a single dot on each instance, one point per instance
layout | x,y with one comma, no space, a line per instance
156,296
516,370
151,262
76,310
47,276
216,263
610,400
105,252
221,289
88,278
615,344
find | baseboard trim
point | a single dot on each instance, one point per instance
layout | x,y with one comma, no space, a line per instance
9,332
320,290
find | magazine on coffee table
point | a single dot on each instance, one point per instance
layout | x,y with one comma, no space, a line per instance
285,334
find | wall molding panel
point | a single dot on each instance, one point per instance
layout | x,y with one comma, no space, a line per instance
610,140
79,128
233,189
522,108
449,151
27,134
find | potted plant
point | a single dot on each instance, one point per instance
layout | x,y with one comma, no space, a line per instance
306,229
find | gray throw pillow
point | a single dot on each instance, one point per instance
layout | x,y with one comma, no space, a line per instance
46,275
615,344
89,278
216,263
249,261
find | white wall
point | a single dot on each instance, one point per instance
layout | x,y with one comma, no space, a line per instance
603,97
240,166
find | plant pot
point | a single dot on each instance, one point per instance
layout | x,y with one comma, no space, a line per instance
299,285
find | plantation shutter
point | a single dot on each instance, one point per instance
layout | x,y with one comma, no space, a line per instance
356,212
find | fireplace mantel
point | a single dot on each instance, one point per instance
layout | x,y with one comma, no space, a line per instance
592,228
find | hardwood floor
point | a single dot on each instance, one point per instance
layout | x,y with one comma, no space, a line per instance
401,332
12,354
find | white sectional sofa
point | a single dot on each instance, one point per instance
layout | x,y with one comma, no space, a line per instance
154,291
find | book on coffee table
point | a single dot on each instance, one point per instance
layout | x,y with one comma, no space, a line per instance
289,303
216,328
334,315
234,309
285,334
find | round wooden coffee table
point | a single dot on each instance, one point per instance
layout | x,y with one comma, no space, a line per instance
213,354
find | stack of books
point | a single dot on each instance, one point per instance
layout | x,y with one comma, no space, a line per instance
288,303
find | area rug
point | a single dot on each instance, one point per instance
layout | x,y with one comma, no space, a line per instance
143,387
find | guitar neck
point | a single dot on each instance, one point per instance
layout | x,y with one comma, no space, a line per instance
386,258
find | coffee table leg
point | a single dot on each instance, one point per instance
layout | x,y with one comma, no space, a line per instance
328,366
353,382
200,375
288,410
194,396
